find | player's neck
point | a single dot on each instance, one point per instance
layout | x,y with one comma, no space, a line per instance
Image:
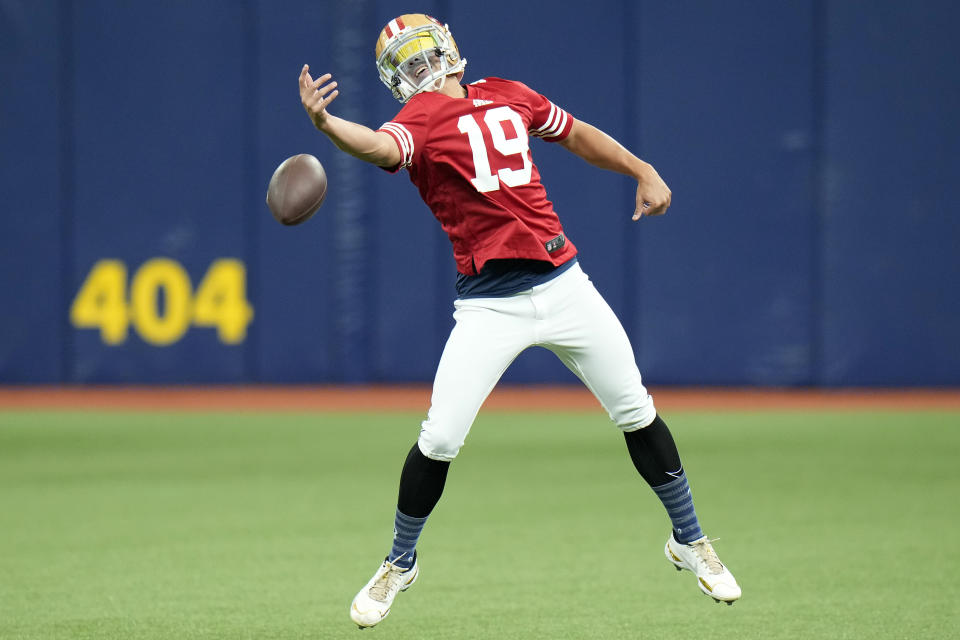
451,87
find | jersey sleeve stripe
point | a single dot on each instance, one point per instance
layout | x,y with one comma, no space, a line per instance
404,141
555,124
552,127
398,138
551,118
398,133
553,114
559,128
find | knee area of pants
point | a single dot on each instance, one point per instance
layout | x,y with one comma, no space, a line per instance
438,448
637,419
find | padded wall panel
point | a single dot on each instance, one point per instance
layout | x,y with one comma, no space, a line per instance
312,284
31,183
410,256
726,107
892,149
158,159
580,67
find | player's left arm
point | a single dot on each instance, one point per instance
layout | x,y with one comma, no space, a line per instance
600,150
359,141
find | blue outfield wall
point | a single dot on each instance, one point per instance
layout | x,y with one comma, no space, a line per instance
812,148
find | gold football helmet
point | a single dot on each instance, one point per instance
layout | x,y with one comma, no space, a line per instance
415,53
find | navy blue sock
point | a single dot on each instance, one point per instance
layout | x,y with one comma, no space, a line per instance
406,532
678,501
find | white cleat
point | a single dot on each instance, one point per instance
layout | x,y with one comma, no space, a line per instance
713,577
373,602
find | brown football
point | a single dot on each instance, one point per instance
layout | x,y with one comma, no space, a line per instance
297,189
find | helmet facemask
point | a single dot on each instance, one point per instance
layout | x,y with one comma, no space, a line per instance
418,59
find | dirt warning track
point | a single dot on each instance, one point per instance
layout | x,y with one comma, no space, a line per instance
417,398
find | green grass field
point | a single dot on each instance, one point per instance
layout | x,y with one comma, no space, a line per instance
217,525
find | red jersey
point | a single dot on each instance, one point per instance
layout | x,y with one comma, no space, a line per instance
470,159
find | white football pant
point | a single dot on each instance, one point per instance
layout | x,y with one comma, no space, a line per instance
566,315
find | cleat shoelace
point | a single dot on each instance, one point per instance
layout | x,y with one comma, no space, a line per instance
708,556
388,581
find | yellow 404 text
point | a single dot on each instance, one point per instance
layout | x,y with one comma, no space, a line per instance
103,301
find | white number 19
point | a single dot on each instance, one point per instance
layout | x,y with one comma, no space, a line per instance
485,179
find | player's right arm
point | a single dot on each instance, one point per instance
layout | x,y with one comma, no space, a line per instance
375,147
599,149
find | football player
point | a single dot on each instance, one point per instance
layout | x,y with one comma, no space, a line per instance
466,148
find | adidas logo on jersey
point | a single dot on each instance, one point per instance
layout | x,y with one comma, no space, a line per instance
479,103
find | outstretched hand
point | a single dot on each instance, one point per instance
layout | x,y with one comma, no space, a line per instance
653,194
316,95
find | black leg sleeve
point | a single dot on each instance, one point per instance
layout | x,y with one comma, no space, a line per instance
421,484
654,453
